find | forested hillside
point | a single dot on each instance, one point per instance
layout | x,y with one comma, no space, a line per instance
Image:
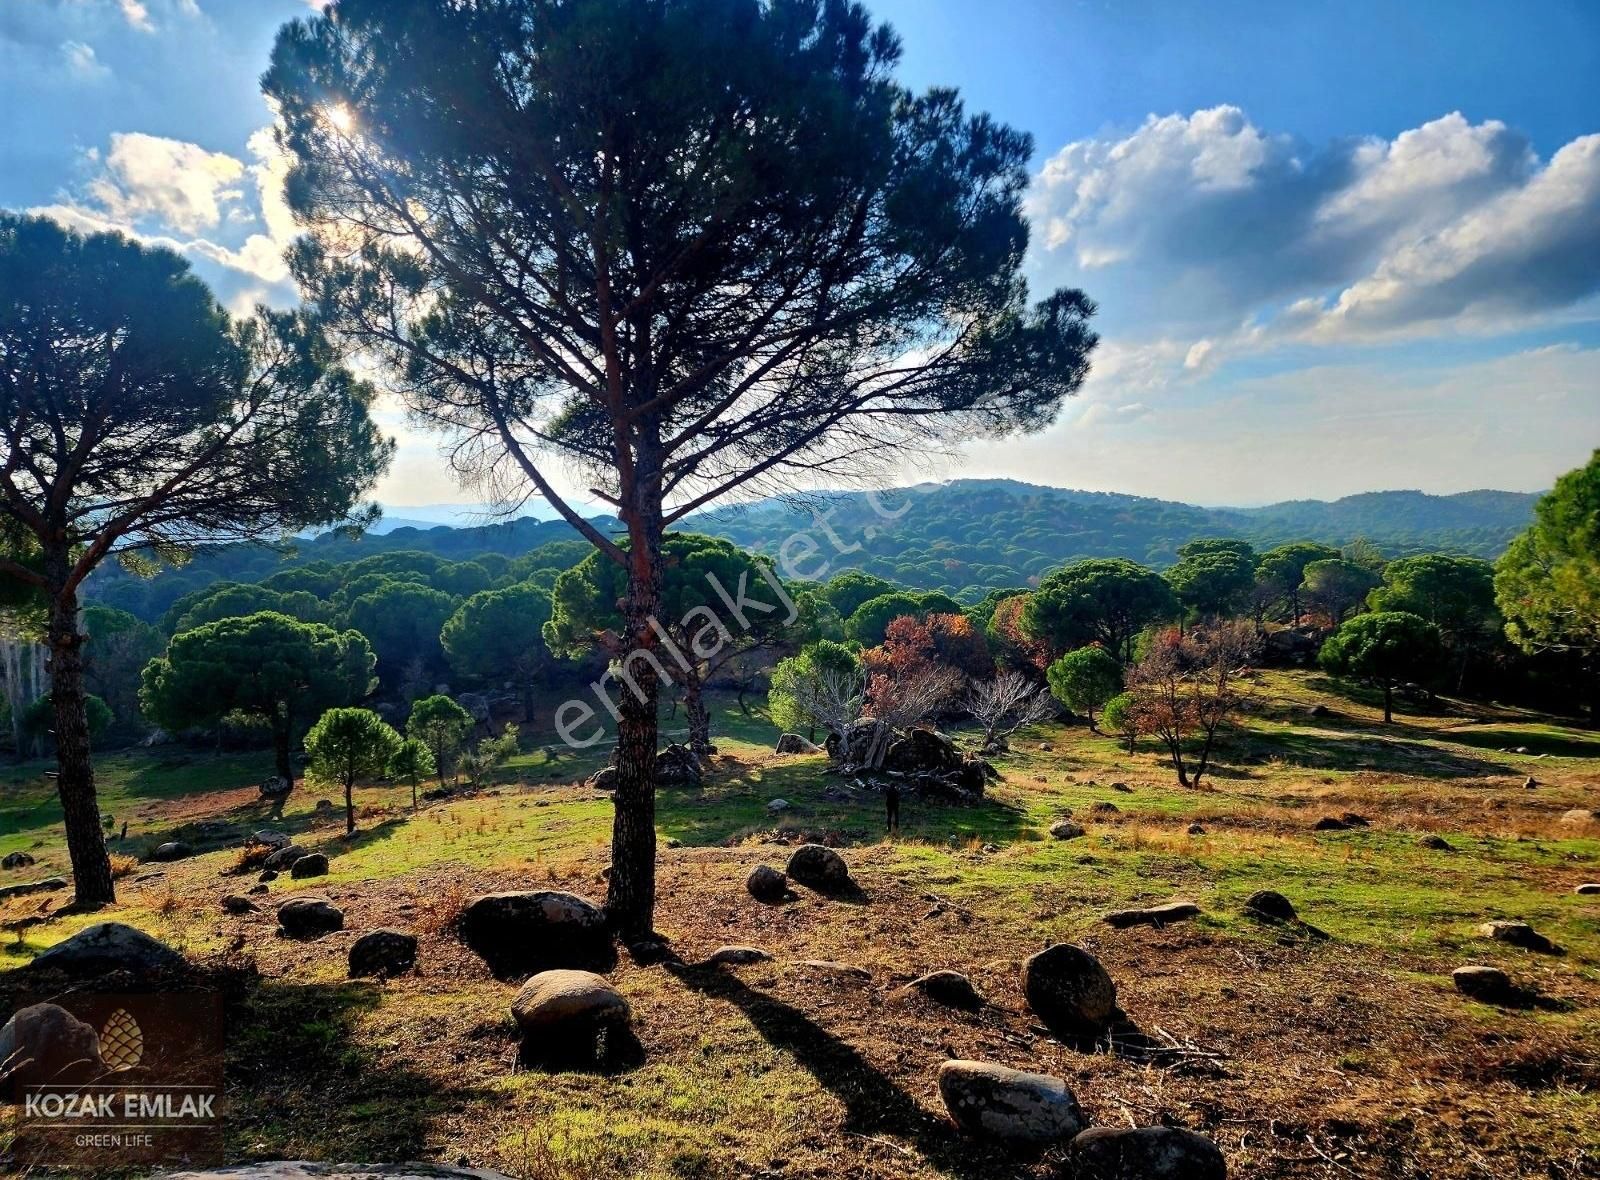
965,538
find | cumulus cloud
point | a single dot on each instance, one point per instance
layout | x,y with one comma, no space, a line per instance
198,202
1208,226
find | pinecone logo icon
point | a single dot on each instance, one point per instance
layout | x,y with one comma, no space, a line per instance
121,1041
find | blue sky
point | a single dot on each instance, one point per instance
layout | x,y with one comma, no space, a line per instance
1337,246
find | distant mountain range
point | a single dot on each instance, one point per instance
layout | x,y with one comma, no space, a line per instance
966,537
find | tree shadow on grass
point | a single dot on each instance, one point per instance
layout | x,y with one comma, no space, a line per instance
302,1083
875,1105
1366,750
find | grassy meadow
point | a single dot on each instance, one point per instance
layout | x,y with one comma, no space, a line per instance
1300,1056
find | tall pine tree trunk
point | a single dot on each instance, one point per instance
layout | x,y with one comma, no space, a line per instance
86,841
631,897
699,715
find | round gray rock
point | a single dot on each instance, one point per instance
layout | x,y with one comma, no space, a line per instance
109,946
383,952
46,1043
312,864
564,1007
308,917
997,1102
1066,829
283,858
1069,990
766,883
541,930
1489,984
818,866
950,988
170,851
1146,1153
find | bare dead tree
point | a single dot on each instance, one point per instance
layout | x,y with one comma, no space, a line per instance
1005,704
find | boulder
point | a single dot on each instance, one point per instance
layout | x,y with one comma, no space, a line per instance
1196,830
283,858
819,867
604,779
996,1102
267,875
1435,842
737,956
271,837
47,885
776,805
383,952
275,788
1070,991
1123,787
1587,889
922,751
1066,829
1352,820
563,1015
106,947
677,766
766,883
170,851
793,743
1530,784
238,903
46,1044
312,864
1580,817
1102,807
1156,915
309,917
1518,934
521,933
950,988
16,860
1270,904
1146,1153
1330,823
307,1170
257,888
1489,984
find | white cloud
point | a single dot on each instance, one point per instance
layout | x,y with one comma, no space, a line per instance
179,185
1208,228
82,61
137,15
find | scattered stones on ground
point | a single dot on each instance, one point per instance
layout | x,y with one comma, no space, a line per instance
1270,904
1070,991
1436,842
793,743
312,864
309,917
1146,1153
170,851
1518,934
950,988
1158,915
766,883
238,903
383,952
998,1102
737,956
16,860
1066,829
539,930
109,946
44,1044
819,867
1489,984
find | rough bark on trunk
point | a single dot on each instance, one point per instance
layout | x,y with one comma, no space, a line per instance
631,896
86,841
280,750
1388,703
349,807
